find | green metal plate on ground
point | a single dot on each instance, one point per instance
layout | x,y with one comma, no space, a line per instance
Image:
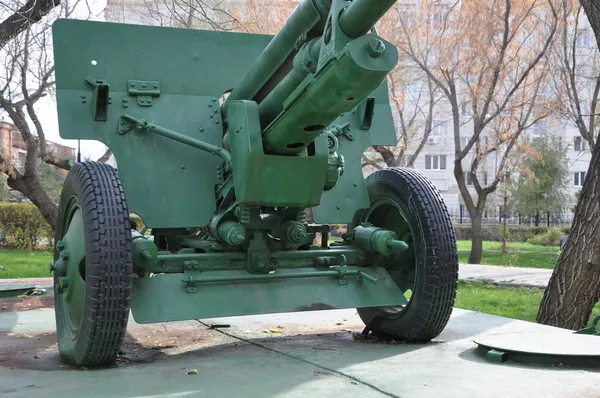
162,298
554,349
14,290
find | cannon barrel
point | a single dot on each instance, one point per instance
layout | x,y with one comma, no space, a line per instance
362,15
308,18
320,65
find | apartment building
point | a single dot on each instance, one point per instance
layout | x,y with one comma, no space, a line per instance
436,160
14,147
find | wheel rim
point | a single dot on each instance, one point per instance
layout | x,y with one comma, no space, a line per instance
71,282
386,213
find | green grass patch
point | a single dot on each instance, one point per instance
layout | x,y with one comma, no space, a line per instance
514,259
512,246
24,264
516,303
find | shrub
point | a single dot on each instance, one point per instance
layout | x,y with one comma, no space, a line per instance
550,237
24,226
516,233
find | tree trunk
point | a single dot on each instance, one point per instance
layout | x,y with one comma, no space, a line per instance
32,188
574,287
476,242
504,229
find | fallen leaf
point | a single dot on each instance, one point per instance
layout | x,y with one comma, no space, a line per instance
4,308
275,331
339,323
425,384
280,327
192,371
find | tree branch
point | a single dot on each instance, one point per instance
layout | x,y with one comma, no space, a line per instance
31,12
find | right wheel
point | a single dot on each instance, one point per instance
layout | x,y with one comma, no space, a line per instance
407,203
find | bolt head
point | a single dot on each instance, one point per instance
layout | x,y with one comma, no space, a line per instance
376,48
64,282
64,254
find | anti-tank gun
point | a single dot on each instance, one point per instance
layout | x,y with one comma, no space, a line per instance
223,163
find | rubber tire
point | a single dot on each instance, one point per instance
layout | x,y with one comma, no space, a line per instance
434,239
108,266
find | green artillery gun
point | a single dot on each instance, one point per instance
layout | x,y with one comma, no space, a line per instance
237,151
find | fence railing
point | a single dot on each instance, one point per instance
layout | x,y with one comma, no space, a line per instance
461,216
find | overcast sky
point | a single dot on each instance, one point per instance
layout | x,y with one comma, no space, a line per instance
46,107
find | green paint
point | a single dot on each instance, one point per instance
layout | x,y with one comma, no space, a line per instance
224,186
154,298
71,286
270,180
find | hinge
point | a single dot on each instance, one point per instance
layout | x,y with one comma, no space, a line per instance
143,90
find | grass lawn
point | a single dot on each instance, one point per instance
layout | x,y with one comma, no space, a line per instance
516,303
520,254
24,264
512,246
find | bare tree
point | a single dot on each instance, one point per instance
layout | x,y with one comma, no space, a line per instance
577,71
574,287
488,57
413,96
189,14
27,75
21,16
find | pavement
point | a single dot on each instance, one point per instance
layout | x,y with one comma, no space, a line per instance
309,354
510,276
316,354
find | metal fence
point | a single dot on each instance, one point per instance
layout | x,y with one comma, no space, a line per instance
547,219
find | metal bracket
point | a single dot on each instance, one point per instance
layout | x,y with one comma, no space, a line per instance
101,98
190,267
143,90
128,122
343,129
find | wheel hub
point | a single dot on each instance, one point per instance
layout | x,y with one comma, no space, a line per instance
385,213
69,268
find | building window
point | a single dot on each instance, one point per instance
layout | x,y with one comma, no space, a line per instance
583,38
464,110
578,178
485,178
578,143
440,127
468,178
539,128
463,142
583,72
435,162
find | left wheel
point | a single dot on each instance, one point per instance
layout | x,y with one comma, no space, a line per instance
93,266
